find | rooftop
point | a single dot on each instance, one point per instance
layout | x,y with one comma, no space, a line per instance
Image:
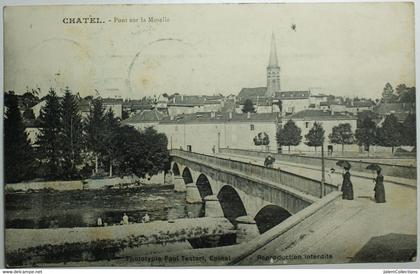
246,93
289,95
316,114
220,117
144,117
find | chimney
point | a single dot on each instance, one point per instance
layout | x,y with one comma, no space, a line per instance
230,115
248,115
212,114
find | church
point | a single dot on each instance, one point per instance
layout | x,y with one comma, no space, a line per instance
271,97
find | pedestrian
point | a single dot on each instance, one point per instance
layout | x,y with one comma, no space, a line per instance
99,222
330,174
347,186
213,149
379,187
145,218
125,219
269,160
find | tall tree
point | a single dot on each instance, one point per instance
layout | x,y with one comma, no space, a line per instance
49,135
248,106
366,133
390,133
18,153
71,137
409,130
140,153
388,95
95,130
315,136
111,125
289,135
342,135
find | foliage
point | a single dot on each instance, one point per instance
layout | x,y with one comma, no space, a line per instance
71,135
262,139
248,106
409,130
315,136
342,135
18,153
366,133
49,136
140,153
388,95
390,133
95,129
289,135
28,114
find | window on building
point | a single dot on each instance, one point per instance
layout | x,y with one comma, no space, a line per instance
252,127
307,124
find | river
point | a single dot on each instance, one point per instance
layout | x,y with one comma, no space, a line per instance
81,208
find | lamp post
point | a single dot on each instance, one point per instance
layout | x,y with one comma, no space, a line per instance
322,171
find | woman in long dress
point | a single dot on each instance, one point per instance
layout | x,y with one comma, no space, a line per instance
379,187
347,186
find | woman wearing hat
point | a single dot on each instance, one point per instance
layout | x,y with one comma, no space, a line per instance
379,187
347,186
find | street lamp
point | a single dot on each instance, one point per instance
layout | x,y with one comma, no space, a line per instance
322,171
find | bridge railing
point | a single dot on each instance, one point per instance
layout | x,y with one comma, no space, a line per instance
396,170
298,182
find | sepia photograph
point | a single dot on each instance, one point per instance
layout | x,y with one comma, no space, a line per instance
209,135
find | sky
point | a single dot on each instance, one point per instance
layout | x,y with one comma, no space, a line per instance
343,49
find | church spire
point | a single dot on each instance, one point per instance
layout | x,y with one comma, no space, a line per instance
273,63
273,71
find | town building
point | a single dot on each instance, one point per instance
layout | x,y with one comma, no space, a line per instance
144,119
305,120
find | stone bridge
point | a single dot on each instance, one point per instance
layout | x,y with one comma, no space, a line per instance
252,197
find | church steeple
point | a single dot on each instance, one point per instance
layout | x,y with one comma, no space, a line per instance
273,63
273,71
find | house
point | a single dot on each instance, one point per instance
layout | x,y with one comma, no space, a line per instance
305,120
113,104
294,101
146,118
204,131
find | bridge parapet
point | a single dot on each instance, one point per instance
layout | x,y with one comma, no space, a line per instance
304,184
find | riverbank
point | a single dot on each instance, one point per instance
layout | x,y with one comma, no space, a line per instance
23,246
97,183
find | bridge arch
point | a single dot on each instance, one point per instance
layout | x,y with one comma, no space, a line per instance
204,186
175,170
270,216
186,175
231,203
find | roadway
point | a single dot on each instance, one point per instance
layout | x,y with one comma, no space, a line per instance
349,227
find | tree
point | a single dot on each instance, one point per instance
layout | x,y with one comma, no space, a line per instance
49,135
388,95
315,136
18,154
408,96
95,130
289,135
262,139
409,130
390,133
248,106
140,153
366,133
71,138
111,125
342,135
28,114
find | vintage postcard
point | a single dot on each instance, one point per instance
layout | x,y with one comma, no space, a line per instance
209,135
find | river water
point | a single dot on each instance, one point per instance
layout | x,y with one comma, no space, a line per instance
81,208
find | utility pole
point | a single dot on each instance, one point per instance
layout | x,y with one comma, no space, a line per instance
322,171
